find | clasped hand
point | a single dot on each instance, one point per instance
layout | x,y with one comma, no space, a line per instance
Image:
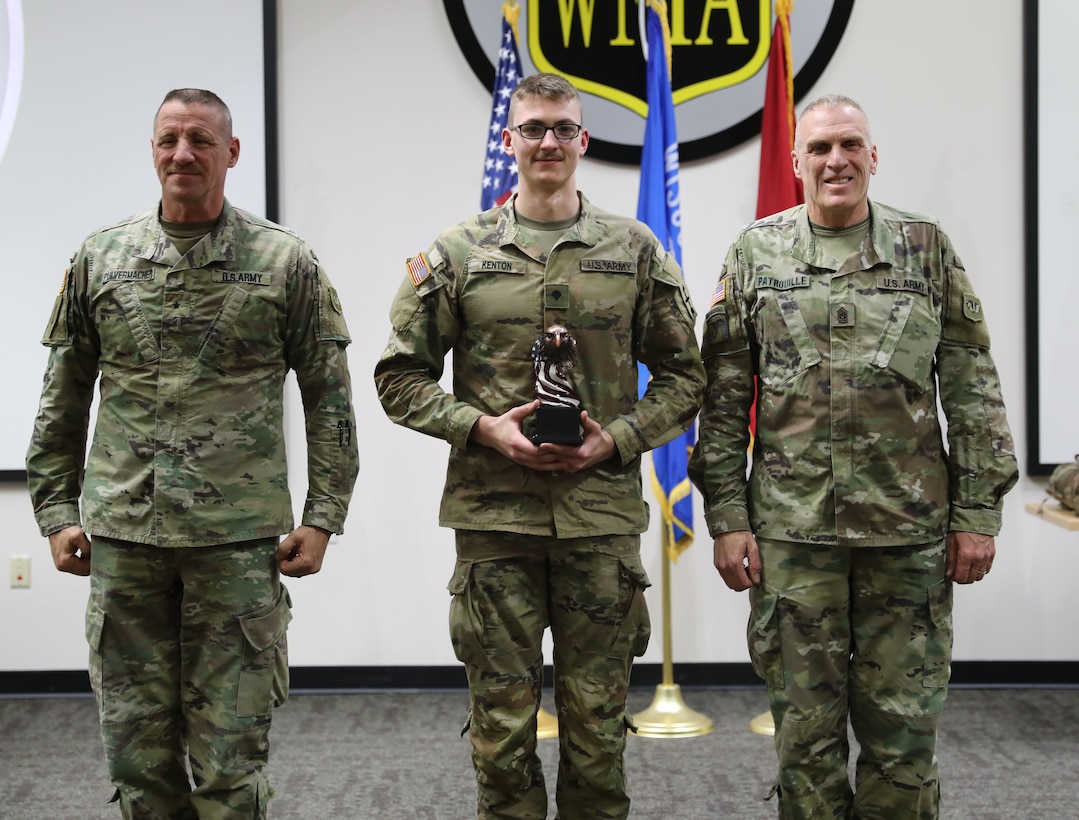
503,433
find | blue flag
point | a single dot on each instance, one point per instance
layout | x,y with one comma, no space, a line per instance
500,170
659,207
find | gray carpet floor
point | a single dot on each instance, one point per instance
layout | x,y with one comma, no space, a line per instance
1005,754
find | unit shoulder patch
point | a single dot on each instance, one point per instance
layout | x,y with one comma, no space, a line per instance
972,307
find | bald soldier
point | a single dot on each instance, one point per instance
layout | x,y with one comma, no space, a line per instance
854,319
191,314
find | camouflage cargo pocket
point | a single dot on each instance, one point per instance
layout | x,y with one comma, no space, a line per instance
636,626
127,340
938,643
95,626
763,633
243,340
907,348
787,346
465,628
264,676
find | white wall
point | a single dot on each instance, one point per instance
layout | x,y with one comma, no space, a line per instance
382,142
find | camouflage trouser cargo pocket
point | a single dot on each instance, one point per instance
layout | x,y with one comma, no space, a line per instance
938,641
464,626
264,676
636,628
765,651
95,626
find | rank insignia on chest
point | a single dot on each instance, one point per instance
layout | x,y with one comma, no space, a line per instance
418,269
843,315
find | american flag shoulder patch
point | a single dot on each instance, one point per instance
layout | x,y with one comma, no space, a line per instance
418,269
720,293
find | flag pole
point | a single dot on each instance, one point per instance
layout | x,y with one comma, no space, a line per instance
668,715
546,725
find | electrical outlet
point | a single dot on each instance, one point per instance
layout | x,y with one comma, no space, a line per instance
20,571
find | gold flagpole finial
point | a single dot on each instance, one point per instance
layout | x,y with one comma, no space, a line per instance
511,11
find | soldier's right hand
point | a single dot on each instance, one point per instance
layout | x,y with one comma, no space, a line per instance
503,433
738,560
71,550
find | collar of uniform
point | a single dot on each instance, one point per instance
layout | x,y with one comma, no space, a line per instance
154,245
883,242
586,227
877,247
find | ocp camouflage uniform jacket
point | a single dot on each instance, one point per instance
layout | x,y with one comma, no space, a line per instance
848,446
189,448
488,295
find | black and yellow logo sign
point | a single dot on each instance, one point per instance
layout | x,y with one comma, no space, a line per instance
719,53
596,46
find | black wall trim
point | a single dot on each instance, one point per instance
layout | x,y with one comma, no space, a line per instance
973,674
269,69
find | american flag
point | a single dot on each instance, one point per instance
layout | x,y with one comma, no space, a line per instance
500,170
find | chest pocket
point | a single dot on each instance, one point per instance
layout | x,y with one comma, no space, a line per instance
245,338
908,343
604,300
787,347
126,337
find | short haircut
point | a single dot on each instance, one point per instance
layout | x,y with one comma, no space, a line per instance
548,86
831,101
190,96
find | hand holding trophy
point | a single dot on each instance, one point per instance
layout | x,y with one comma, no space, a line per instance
558,418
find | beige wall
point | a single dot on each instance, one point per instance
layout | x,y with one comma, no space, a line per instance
382,143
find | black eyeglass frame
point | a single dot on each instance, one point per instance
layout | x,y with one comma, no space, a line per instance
537,125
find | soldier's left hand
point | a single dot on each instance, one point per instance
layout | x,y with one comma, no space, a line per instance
301,551
598,445
970,556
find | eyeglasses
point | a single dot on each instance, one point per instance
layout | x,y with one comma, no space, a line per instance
564,131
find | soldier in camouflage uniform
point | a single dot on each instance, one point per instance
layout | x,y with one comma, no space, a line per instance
191,313
548,535
854,318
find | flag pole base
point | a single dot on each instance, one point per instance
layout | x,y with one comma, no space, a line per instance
668,716
546,725
763,724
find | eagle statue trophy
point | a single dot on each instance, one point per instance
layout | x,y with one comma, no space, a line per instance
558,417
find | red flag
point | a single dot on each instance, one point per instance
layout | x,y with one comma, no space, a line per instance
778,188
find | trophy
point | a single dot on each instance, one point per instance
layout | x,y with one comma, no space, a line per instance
558,418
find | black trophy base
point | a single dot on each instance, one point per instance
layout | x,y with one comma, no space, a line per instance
557,425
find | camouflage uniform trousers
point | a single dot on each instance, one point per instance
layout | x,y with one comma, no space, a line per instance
864,633
507,589
188,658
